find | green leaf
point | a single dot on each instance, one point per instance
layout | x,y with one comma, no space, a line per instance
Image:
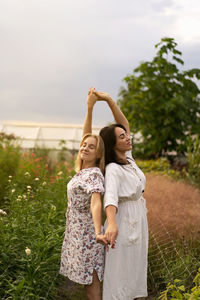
161,101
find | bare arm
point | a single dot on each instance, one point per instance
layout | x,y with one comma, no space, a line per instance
95,208
112,230
116,111
91,100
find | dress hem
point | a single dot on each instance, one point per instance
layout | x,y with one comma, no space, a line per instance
80,282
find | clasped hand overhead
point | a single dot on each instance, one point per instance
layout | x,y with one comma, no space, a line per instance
94,96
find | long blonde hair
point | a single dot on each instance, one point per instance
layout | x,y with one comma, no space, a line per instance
100,156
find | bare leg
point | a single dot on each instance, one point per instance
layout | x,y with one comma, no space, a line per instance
93,291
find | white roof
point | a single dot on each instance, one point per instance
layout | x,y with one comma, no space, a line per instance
45,134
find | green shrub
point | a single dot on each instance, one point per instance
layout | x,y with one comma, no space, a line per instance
160,165
193,158
171,257
9,161
32,225
177,291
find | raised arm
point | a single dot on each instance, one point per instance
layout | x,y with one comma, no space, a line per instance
91,100
116,111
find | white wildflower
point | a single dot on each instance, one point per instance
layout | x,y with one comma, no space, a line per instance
12,191
60,173
19,198
44,183
9,180
36,179
3,212
53,207
24,196
28,251
10,176
28,187
27,174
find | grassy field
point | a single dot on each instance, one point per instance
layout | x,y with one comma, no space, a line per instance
32,224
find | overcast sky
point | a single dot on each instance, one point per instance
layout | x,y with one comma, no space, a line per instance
53,51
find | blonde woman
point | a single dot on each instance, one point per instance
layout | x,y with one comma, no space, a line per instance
82,258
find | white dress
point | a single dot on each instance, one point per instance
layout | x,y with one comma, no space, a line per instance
125,276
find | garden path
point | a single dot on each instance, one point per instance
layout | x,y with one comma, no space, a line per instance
175,202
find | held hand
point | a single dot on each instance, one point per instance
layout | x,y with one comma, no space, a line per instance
111,234
101,238
102,96
91,98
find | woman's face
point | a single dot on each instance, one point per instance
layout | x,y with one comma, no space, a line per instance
88,150
123,140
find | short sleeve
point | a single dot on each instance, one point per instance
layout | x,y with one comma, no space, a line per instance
95,182
112,183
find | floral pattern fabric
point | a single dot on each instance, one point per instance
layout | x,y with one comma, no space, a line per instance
80,253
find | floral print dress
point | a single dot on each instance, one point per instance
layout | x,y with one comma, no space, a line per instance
81,255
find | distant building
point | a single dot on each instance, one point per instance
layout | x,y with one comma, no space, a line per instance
45,135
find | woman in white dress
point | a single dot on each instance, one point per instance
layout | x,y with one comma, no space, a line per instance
82,258
126,228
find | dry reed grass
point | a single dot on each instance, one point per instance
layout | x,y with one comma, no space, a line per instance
175,203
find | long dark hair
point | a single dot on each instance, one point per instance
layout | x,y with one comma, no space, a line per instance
108,135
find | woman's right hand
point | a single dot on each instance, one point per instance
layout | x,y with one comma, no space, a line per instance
111,234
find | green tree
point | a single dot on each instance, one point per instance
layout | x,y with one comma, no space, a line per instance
162,102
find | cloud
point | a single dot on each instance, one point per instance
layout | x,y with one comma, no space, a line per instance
53,51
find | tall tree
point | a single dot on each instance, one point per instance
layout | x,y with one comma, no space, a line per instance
162,102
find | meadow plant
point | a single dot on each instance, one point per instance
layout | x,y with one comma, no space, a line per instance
9,161
160,166
176,290
32,224
193,158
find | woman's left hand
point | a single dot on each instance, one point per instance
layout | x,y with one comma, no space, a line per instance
101,238
91,98
102,96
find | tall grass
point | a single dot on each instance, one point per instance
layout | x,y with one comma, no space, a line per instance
9,161
193,158
32,222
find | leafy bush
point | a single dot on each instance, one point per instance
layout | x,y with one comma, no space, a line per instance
172,258
160,165
193,157
9,161
32,223
177,291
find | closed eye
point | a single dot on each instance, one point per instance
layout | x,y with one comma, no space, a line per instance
91,146
122,136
